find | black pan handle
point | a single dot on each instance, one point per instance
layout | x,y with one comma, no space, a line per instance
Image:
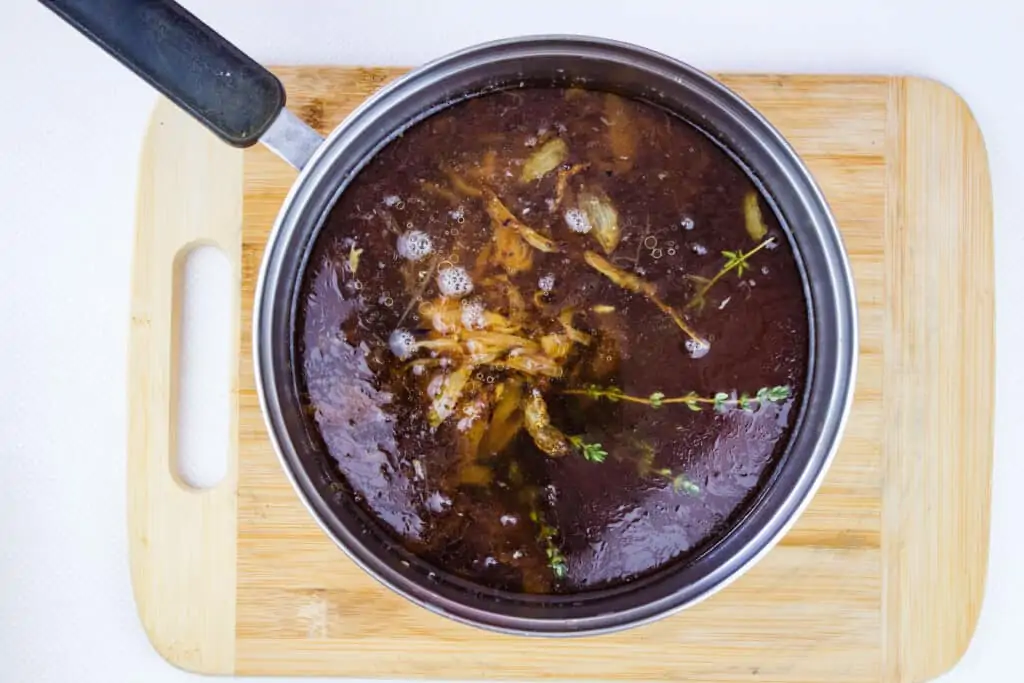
184,59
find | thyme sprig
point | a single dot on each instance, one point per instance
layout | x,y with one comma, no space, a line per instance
547,535
593,452
734,260
556,561
680,482
720,402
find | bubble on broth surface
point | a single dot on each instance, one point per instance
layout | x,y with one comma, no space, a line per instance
454,282
547,283
415,245
473,314
578,221
697,348
402,343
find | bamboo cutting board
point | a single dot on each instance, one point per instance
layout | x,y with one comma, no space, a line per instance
882,577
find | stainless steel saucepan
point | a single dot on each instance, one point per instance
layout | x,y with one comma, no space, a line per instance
243,103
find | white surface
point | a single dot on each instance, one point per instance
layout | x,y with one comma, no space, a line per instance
68,158
204,396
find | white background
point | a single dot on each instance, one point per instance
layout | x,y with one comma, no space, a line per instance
71,125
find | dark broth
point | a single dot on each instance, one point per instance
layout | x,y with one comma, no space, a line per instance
607,488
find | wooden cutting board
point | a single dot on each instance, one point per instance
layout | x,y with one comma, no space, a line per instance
880,580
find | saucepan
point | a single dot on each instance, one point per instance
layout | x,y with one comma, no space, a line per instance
243,104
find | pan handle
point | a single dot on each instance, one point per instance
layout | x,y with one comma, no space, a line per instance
196,68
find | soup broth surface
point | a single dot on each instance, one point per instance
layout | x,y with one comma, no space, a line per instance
552,340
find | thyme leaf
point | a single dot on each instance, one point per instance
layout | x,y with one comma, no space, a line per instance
680,482
593,452
556,561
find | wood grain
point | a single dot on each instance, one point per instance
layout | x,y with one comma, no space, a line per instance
880,579
938,330
182,542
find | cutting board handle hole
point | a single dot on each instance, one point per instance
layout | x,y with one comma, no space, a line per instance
203,368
